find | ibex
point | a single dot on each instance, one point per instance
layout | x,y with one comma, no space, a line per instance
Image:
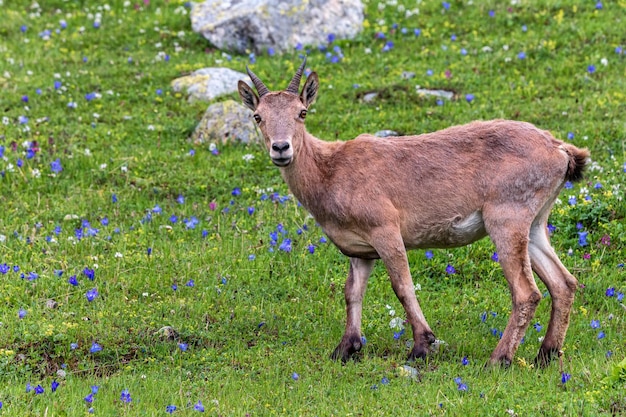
375,198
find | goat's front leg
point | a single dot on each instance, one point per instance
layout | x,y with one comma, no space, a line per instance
392,251
360,270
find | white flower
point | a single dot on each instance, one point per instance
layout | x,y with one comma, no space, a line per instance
103,166
118,255
396,323
35,173
248,157
604,61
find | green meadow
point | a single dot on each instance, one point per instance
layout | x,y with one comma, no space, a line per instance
143,275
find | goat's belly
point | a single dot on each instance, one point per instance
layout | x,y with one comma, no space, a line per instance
459,231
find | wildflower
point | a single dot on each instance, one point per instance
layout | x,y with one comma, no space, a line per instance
190,283
464,361
95,348
125,397
89,398
582,238
384,381
469,97
251,210
620,296
183,346
450,269
170,409
591,69
538,327
460,385
295,376
285,245
39,389
89,273
54,386
91,294
595,324
572,201
55,166
483,316
610,292
601,335
494,257
199,406
521,55
445,5
73,281
236,191
73,346
565,377
388,46
21,313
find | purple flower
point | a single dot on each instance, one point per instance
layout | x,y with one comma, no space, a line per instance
460,385
21,313
384,381
89,398
494,257
445,5
295,376
91,294
39,389
521,55
601,335
450,269
125,396
95,347
55,166
72,280
595,324
170,409
73,346
591,69
538,327
429,254
582,238
565,377
89,273
236,191
183,346
610,292
285,245
464,361
199,407
54,386
190,283
570,136
469,97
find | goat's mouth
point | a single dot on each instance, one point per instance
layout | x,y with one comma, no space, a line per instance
281,162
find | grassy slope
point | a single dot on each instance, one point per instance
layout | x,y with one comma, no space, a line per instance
251,324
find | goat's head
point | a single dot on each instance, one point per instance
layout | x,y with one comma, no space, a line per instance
280,114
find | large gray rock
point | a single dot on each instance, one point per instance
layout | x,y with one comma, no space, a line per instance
226,122
257,25
209,83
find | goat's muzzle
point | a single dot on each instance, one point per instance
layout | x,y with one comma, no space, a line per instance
281,153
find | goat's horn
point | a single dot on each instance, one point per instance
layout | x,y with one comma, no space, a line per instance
260,87
294,85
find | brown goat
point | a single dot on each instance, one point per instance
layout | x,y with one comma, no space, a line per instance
375,198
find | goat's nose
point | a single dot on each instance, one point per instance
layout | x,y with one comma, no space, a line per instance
280,147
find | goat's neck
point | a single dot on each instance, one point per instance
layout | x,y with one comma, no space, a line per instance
307,175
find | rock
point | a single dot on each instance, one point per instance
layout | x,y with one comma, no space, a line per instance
209,83
167,333
51,304
369,97
257,25
448,95
386,133
226,122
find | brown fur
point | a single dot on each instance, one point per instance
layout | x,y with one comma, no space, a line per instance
375,198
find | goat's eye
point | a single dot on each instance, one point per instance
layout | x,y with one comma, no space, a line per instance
303,114
257,118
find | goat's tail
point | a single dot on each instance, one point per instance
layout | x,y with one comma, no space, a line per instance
578,159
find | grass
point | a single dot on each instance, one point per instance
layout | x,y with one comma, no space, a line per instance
94,167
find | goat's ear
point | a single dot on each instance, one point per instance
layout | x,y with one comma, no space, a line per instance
309,91
248,96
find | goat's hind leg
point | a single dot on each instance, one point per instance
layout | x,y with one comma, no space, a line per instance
360,270
561,285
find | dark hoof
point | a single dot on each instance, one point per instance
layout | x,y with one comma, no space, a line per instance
546,355
346,350
422,347
502,362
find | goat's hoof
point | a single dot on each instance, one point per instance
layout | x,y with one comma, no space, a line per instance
347,348
546,355
500,362
422,347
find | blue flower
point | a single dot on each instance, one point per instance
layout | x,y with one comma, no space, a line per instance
620,296
384,381
251,210
89,398
183,346
55,166
170,409
570,136
460,385
190,283
21,313
199,407
521,55
295,376
445,5
483,316
582,238
450,269
39,389
4,268
591,69
54,386
388,46
429,254
601,335
89,273
469,97
572,201
125,396
73,346
72,280
464,361
595,324
95,389
95,347
568,185
494,257
565,377
311,249
236,191
285,245
610,292
91,294
538,327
